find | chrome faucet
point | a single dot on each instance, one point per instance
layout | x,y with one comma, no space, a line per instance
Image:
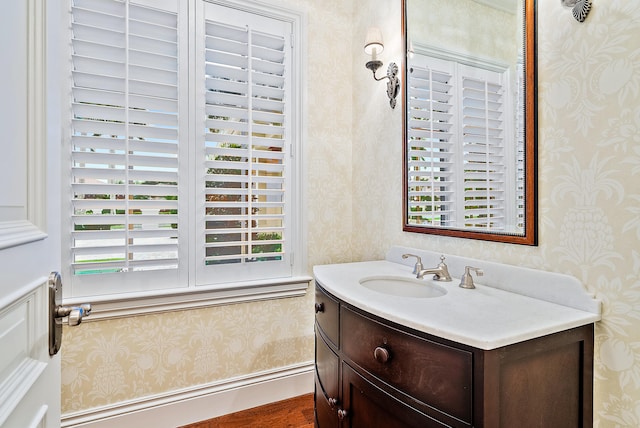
418,266
440,273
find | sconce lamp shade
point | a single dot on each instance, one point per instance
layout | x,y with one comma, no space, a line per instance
373,43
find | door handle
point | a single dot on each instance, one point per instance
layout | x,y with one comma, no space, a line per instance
57,313
74,314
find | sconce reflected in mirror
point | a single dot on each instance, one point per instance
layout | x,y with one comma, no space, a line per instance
579,8
373,46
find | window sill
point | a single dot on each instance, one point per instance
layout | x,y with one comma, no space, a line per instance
109,307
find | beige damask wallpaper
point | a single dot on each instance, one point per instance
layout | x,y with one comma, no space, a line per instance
589,205
128,358
589,178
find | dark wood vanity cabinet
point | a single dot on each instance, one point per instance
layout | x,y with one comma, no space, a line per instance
374,373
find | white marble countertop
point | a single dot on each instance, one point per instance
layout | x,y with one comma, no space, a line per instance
487,317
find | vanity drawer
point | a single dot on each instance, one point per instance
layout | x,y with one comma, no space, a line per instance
327,315
435,374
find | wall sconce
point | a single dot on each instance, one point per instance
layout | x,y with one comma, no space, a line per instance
580,8
373,46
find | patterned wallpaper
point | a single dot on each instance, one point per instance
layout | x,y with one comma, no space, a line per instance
589,178
116,360
589,206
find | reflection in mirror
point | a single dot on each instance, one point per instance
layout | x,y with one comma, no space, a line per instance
470,119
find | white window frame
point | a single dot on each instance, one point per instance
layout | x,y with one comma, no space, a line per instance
180,288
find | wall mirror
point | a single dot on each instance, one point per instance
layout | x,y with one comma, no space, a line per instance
470,119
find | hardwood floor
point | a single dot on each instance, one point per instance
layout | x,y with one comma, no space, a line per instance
295,412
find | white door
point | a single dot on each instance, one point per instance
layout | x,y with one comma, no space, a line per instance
29,218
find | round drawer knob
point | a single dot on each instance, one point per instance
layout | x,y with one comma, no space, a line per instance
319,307
333,401
381,354
342,414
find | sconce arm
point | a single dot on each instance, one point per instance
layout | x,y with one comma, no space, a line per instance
379,78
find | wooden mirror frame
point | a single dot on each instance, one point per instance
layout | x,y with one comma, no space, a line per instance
530,233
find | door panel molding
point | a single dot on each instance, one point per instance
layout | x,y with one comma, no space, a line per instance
23,215
21,327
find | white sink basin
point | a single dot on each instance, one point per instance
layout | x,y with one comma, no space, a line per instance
402,286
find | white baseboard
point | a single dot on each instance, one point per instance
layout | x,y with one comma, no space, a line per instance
204,402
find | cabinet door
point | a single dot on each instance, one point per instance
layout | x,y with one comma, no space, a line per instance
327,365
326,414
367,406
543,382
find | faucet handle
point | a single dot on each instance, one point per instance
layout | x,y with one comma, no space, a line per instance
467,280
418,266
443,275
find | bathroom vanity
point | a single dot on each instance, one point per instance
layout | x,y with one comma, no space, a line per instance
493,356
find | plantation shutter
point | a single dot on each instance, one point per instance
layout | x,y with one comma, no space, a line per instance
483,157
431,143
520,147
456,151
246,159
124,137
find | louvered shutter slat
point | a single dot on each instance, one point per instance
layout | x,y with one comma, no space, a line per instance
122,204
151,30
153,60
228,125
95,66
88,49
228,59
226,99
97,35
110,20
97,97
154,17
269,105
271,80
222,139
227,112
108,7
98,128
158,147
157,89
101,82
160,48
267,92
121,189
